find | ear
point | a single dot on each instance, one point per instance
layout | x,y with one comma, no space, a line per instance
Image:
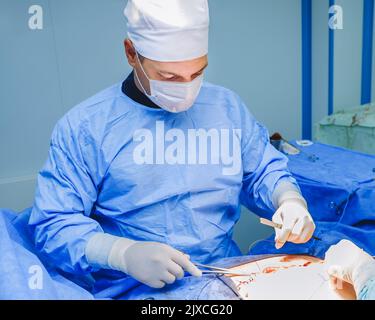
130,52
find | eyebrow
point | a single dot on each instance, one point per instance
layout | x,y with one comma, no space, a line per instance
171,73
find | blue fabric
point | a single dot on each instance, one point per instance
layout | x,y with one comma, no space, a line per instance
21,270
208,287
368,292
339,186
340,193
91,183
19,259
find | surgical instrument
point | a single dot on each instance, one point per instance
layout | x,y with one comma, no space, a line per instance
217,270
275,225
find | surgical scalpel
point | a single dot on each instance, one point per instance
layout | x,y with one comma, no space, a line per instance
272,224
217,270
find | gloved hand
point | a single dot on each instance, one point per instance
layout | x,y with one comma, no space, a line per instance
297,223
347,262
151,263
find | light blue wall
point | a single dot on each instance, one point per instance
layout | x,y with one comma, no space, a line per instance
347,59
373,65
348,56
320,59
46,72
255,49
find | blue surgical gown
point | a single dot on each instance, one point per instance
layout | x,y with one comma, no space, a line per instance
368,291
91,183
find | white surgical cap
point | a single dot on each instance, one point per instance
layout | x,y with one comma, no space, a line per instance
169,30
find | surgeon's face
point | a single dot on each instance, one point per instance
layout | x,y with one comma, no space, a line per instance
184,71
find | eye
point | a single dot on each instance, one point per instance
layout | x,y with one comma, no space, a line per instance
198,74
170,78
167,76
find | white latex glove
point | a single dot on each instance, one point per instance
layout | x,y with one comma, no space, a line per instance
347,262
297,223
154,264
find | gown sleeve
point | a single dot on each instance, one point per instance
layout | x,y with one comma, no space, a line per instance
66,192
264,168
368,291
364,281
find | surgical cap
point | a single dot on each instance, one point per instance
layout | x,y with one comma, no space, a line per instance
169,30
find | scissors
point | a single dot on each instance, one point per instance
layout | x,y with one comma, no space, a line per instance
217,270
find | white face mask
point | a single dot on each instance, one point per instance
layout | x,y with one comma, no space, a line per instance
172,96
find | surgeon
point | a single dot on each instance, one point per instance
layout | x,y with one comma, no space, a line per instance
146,178
347,262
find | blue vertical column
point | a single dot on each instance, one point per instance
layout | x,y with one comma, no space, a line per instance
331,66
367,50
307,69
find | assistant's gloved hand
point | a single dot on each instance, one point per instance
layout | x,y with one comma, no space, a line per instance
297,223
347,262
154,264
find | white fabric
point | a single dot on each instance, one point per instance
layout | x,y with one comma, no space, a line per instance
169,30
98,248
362,275
115,256
286,190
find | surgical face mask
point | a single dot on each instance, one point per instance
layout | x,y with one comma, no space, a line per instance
172,96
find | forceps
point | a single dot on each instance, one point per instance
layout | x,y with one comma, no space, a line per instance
217,270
